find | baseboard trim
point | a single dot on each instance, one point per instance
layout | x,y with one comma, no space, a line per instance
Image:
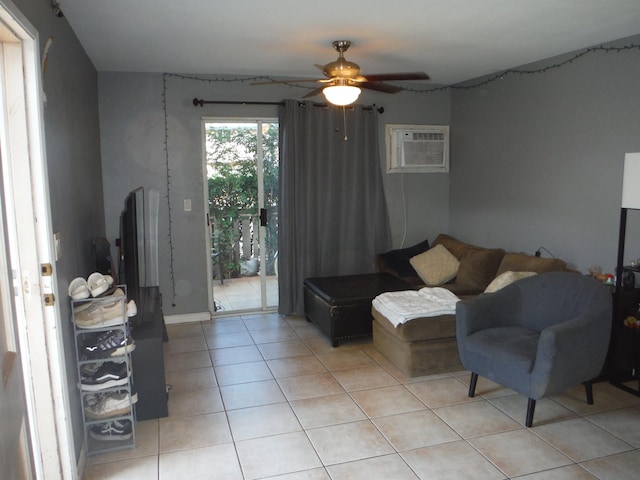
206,316
187,318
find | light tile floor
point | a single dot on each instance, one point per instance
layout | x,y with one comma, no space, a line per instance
264,396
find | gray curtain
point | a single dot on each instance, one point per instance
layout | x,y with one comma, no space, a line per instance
333,216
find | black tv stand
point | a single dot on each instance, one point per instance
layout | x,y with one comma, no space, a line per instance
148,331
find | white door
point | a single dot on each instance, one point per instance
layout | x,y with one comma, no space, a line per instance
35,437
15,450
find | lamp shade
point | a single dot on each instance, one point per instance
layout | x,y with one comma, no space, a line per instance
341,94
631,181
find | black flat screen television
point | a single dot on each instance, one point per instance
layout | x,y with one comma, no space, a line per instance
138,245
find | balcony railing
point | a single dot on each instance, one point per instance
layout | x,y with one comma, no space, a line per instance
236,245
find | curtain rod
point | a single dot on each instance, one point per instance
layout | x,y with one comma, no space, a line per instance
200,103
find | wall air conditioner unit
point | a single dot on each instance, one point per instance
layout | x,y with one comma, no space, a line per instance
417,148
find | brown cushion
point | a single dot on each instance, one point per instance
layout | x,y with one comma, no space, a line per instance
478,267
462,291
435,266
520,262
454,245
424,328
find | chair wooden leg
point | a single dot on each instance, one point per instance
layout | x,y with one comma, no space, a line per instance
472,384
531,407
588,388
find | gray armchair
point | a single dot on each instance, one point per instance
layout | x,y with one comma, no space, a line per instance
537,336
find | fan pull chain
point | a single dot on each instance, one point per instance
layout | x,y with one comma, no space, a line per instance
344,119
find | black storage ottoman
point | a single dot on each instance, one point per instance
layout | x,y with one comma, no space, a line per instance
341,306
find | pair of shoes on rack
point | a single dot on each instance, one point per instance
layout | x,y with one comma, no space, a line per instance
112,343
112,431
104,313
94,286
107,375
109,404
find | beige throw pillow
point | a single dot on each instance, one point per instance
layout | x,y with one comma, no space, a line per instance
436,266
505,279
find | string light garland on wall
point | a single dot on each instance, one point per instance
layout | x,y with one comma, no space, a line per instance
218,79
169,208
498,76
515,71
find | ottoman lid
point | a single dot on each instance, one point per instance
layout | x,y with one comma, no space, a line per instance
350,289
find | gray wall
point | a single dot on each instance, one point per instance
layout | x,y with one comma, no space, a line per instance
424,197
537,159
132,119
73,161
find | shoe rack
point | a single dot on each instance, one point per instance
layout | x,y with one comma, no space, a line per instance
105,377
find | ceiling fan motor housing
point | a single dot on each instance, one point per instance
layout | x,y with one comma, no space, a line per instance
341,67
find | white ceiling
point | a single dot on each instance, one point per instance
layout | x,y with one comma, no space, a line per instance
451,40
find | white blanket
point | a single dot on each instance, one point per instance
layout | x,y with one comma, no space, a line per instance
400,307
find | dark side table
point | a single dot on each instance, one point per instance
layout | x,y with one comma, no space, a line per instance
624,352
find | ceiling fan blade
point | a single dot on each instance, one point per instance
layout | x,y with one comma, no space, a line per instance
380,87
313,93
375,77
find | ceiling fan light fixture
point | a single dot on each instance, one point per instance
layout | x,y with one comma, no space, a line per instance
341,95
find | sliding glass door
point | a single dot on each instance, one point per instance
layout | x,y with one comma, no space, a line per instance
241,170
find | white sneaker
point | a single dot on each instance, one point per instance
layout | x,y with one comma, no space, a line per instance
110,405
132,309
103,314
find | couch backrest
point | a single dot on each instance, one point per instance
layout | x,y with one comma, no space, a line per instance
478,265
455,246
521,262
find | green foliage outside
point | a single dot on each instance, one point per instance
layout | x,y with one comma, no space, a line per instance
231,153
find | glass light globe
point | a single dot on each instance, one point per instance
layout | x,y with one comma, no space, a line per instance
341,94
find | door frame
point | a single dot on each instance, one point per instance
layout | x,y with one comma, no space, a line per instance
39,335
261,230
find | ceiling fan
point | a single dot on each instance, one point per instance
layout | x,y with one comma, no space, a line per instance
343,80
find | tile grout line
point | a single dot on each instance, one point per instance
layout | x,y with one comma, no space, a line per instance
404,384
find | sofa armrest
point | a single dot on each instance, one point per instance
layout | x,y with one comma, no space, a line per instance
501,308
396,262
573,349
